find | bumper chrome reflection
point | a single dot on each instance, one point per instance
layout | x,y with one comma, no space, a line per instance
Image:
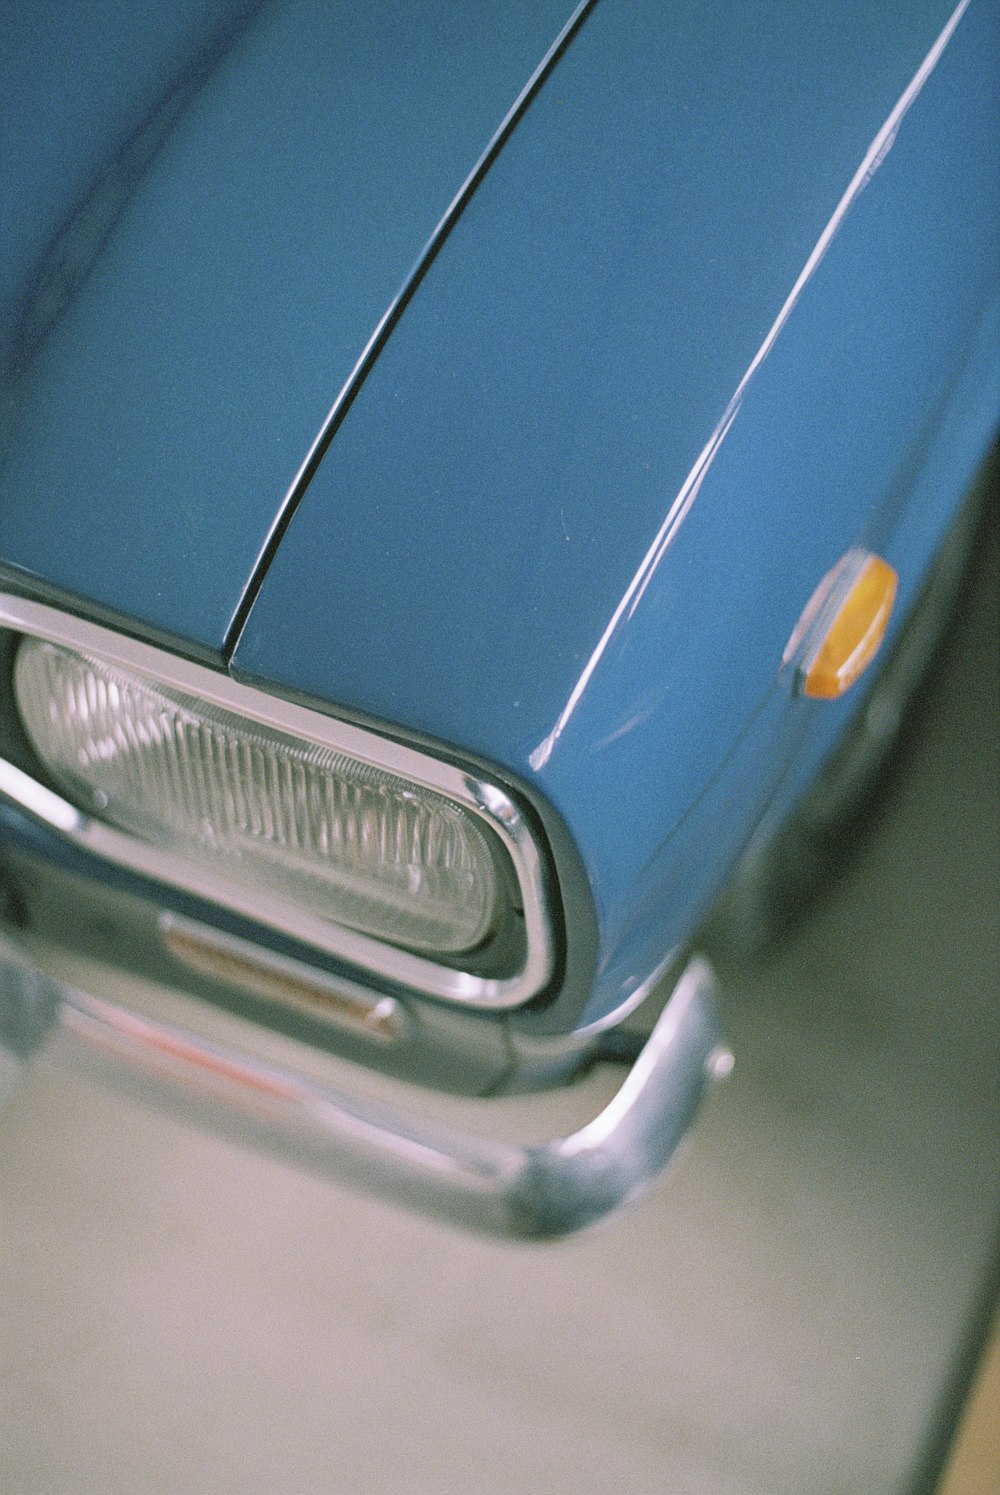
535,1191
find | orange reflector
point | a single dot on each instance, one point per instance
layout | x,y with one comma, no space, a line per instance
226,958
852,639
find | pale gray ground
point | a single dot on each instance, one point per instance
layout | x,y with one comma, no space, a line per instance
781,1316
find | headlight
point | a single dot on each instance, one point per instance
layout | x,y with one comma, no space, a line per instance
409,868
332,834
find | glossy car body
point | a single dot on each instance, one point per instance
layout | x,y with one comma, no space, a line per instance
502,385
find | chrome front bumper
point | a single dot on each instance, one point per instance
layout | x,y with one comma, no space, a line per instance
533,1190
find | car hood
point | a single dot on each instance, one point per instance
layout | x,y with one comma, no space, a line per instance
542,418
208,208
658,379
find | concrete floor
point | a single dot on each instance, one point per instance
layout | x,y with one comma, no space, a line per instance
789,1312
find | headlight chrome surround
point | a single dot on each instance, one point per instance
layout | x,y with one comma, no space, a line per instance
480,802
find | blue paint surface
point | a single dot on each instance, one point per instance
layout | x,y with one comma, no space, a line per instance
210,211
476,557
76,84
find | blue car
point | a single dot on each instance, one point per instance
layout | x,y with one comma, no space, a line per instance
477,484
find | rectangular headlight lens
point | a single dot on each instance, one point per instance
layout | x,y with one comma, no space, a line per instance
339,837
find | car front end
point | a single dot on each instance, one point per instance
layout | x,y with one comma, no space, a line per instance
424,728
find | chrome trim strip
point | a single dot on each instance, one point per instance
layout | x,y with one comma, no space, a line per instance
490,803
508,1189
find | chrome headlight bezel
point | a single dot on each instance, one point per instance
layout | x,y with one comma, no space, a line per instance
465,982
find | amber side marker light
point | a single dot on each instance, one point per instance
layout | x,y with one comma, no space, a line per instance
851,638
